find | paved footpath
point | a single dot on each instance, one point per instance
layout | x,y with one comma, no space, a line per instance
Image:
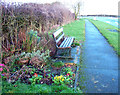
100,63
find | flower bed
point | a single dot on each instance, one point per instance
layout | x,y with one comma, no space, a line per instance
38,72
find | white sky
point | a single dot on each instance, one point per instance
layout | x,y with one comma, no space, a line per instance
88,6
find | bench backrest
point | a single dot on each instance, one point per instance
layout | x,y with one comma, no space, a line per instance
58,35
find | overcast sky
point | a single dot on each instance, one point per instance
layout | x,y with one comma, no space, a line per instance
88,6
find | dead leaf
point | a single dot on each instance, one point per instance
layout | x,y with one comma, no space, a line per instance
95,86
95,82
104,85
113,79
99,89
70,64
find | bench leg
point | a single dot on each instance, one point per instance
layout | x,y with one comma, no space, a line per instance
62,52
59,51
70,52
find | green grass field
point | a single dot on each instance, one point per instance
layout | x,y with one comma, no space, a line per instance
112,37
76,29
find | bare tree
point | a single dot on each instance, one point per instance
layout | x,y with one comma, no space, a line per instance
77,9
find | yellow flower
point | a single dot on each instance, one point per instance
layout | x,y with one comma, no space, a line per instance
54,78
58,77
62,79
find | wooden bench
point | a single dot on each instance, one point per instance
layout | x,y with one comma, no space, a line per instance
62,43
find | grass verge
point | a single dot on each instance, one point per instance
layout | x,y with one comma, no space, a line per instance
112,37
37,88
76,29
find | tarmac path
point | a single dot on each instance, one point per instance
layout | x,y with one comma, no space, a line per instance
100,63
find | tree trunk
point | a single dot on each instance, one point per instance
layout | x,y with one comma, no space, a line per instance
75,17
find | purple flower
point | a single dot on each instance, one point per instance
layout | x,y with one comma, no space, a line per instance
1,69
2,65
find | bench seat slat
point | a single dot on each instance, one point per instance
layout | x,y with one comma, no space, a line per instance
72,39
67,42
70,42
63,42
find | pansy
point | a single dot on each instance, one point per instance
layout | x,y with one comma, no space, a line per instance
54,77
67,74
69,66
35,74
1,69
62,79
2,65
